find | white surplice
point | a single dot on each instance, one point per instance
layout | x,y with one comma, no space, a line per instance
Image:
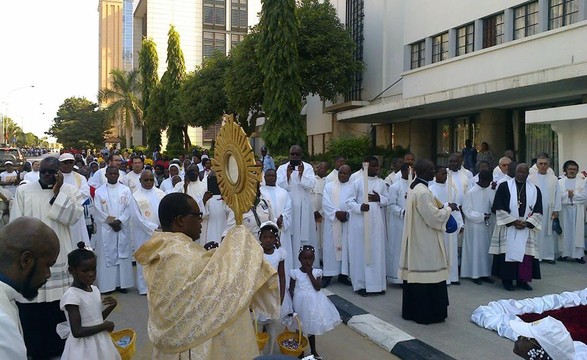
218,212
398,193
303,228
281,206
144,221
335,250
32,200
79,231
368,271
547,240
133,180
451,241
99,178
476,260
333,175
573,217
113,249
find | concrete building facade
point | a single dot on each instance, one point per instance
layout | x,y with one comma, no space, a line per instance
440,72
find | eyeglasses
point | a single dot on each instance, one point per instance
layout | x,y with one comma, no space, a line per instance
148,180
50,171
198,214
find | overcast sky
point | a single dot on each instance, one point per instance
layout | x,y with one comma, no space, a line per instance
53,45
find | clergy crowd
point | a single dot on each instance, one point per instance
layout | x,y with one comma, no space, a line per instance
368,230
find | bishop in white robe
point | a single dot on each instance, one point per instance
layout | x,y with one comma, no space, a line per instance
112,203
145,218
368,233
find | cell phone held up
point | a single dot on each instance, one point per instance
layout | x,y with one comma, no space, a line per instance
295,163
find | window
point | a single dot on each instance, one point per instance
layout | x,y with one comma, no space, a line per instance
493,30
215,14
214,41
561,13
355,21
417,58
235,39
465,39
440,47
238,15
525,20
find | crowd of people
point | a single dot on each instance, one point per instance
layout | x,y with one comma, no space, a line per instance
423,227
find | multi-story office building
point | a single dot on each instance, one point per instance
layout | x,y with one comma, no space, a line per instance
511,73
203,26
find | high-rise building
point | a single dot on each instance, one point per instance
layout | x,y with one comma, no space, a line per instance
203,26
127,34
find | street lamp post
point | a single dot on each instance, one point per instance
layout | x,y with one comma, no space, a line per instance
5,117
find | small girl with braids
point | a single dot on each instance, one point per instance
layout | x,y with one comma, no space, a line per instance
89,336
317,313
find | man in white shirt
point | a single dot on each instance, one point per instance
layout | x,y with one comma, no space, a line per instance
338,162
28,249
9,178
112,203
145,219
133,178
99,177
396,211
34,174
573,200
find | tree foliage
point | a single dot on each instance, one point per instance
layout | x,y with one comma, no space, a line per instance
79,124
201,99
325,51
279,65
148,65
244,82
122,99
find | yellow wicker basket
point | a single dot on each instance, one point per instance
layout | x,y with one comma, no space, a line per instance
302,341
126,352
262,337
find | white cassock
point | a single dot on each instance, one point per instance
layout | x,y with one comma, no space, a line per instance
451,242
133,181
281,206
356,175
333,175
196,190
252,220
113,249
32,200
534,170
572,217
392,177
218,212
317,193
31,176
144,221
99,178
463,181
79,231
547,240
335,250
303,228
398,193
368,275
476,260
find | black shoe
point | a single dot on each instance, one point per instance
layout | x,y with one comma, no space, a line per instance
580,261
455,283
524,285
362,292
562,258
326,281
122,291
551,262
478,281
108,292
487,279
343,279
508,285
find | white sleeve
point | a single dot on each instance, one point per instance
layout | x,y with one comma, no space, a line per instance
11,341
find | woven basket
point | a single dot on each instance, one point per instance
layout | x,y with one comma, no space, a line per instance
126,353
296,335
262,337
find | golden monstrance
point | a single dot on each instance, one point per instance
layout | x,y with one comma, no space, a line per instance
235,168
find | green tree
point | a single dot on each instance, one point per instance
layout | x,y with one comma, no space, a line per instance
170,84
325,51
244,82
279,64
201,99
11,130
148,65
79,124
123,100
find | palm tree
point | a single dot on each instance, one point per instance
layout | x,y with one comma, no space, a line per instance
123,100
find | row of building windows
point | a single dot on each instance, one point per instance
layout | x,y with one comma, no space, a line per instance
215,14
217,41
525,23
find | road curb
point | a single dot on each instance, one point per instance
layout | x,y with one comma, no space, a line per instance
382,333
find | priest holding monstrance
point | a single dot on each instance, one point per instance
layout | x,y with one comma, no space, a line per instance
199,300
518,210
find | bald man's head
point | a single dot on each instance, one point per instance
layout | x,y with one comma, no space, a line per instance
28,249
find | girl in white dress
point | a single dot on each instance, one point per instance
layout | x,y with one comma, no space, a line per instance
88,337
317,313
275,255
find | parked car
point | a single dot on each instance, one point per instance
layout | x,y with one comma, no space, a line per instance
12,154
